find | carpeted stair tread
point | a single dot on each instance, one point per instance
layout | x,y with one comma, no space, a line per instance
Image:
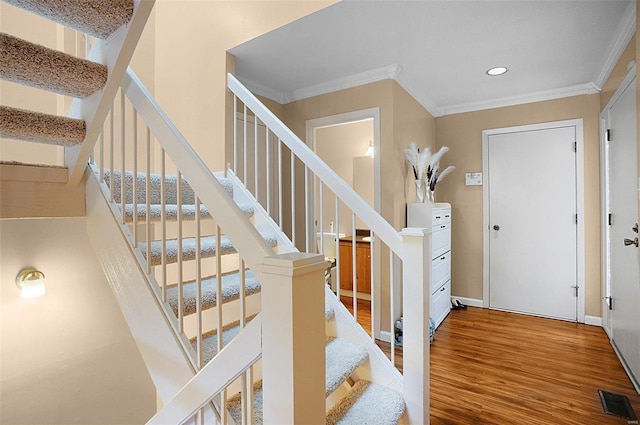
343,357
350,405
210,340
367,403
207,248
97,18
33,65
234,405
171,212
230,292
155,188
40,128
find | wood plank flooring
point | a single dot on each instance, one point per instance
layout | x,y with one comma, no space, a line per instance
493,367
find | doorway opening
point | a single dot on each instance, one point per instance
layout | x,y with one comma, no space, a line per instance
348,143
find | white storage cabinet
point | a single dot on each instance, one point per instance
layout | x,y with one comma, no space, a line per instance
438,218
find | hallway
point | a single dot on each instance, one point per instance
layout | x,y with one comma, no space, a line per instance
494,367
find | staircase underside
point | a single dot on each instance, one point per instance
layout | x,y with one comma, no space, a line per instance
30,191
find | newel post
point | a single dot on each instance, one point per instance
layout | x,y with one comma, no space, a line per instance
293,338
416,278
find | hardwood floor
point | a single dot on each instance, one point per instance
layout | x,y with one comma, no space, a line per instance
492,367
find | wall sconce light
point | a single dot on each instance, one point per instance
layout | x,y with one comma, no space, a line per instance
370,149
31,283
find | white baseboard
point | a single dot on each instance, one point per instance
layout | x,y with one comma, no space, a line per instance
593,320
385,336
471,302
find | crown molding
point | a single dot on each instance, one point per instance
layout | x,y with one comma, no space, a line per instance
264,91
350,81
626,29
581,89
415,91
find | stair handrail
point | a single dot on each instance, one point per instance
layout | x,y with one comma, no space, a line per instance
242,352
245,238
378,225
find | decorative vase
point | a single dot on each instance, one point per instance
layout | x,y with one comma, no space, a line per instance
419,191
431,196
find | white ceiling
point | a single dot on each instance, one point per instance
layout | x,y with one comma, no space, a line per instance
439,50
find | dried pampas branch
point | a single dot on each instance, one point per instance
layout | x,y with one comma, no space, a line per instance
426,167
424,158
439,177
435,159
412,153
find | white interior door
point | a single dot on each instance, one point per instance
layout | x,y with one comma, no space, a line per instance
532,231
624,268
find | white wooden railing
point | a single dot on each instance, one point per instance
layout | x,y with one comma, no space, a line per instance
177,217
269,159
270,162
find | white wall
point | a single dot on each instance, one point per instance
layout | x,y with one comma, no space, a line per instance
67,357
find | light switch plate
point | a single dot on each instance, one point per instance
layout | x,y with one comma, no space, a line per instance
473,179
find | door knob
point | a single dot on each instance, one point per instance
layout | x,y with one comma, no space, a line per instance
628,242
496,227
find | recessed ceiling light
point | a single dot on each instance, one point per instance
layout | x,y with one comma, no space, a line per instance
498,70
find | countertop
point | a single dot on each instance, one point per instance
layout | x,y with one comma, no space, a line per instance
359,239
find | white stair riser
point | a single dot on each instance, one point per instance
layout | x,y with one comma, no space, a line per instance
230,314
230,263
207,228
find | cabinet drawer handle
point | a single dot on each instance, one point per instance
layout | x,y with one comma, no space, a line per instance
443,258
443,226
443,288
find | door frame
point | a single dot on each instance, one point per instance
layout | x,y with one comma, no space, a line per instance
580,255
345,118
605,199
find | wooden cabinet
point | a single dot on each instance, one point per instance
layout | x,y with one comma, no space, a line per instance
363,266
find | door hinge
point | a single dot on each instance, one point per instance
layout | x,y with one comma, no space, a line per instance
575,146
576,218
576,287
610,219
608,134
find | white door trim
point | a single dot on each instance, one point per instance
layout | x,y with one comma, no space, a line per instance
605,198
578,124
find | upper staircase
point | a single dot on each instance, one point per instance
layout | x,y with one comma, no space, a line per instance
226,312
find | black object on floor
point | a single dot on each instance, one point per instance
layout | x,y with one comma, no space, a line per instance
617,404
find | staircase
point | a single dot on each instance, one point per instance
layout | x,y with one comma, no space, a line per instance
186,250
